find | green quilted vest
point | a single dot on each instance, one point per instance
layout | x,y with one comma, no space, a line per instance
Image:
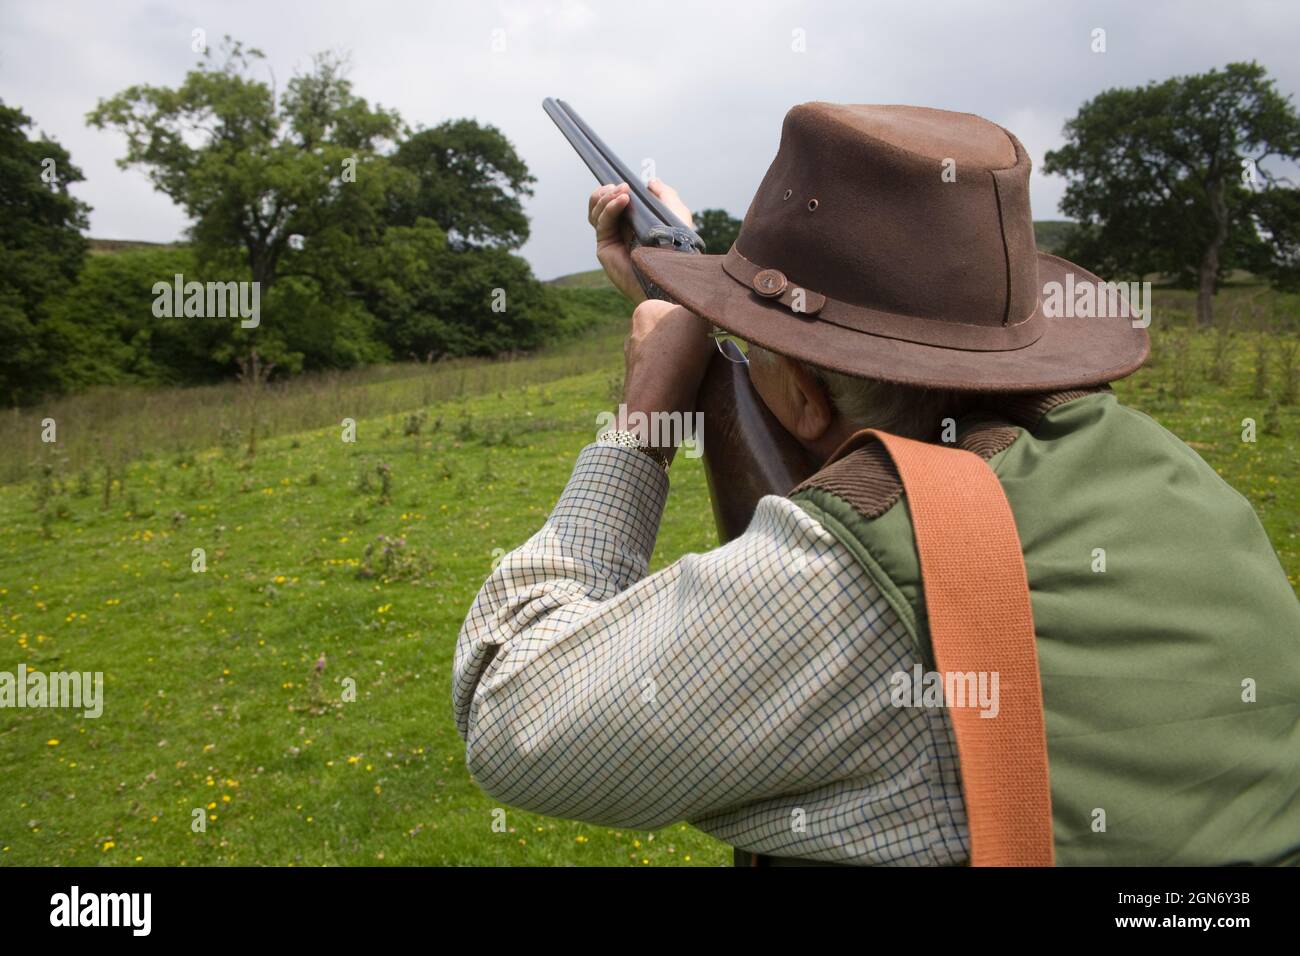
1171,679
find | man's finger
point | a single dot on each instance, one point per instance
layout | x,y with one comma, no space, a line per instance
599,210
607,211
600,202
595,196
608,223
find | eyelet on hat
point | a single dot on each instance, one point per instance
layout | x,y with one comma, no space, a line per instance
788,194
812,205
769,283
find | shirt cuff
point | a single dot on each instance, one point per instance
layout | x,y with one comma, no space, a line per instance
617,491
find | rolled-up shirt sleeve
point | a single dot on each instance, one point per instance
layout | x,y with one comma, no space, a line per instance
586,689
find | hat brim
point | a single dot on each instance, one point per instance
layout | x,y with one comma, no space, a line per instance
1072,351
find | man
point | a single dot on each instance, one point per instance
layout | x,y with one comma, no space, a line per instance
885,276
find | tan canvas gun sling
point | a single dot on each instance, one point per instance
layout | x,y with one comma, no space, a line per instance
977,599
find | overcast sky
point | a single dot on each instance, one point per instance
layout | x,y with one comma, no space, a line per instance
700,88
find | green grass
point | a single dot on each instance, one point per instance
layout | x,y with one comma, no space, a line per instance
1210,419
212,693
122,424
211,688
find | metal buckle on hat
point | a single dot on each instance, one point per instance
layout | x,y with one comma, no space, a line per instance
772,284
769,283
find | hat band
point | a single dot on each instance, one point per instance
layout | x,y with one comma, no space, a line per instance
774,285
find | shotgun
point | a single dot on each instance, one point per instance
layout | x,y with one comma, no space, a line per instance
747,454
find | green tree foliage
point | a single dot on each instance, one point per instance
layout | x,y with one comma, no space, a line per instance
517,314
41,249
718,228
252,171
1175,177
1276,211
469,180
103,331
368,241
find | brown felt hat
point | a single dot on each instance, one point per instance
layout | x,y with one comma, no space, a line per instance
896,243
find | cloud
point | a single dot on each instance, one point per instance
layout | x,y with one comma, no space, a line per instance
701,89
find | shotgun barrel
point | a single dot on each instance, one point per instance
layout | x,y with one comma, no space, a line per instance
747,454
652,223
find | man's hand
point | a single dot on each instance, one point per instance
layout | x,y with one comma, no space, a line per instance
605,210
667,353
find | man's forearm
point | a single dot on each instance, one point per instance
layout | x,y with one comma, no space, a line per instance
597,542
585,689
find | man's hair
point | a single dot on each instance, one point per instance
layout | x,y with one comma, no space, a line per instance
909,410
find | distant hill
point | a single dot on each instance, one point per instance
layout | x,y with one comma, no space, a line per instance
1050,234
591,279
106,247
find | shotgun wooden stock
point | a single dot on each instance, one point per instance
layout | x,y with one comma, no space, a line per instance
747,453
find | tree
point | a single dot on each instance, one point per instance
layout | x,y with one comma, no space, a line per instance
257,171
435,301
102,329
469,180
718,228
315,195
249,168
41,248
1277,213
1173,178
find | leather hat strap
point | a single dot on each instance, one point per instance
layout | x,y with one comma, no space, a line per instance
981,622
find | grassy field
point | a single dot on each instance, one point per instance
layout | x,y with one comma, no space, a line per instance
329,562
115,426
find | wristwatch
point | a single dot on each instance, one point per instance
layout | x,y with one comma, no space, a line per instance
626,439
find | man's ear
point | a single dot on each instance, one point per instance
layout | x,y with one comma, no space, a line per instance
808,403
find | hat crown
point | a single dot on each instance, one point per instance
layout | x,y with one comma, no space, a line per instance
902,209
